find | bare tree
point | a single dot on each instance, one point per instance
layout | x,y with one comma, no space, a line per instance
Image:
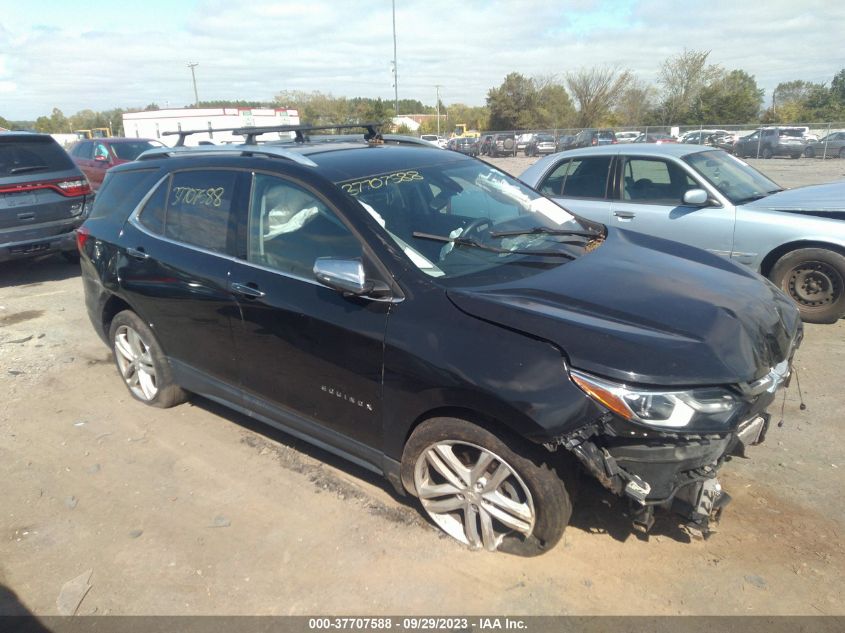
596,91
635,102
682,79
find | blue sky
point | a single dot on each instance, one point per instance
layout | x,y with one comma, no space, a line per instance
100,55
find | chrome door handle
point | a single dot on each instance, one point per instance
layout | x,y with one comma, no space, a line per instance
247,290
137,253
625,215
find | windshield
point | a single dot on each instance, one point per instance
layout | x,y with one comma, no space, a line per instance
130,150
459,218
737,181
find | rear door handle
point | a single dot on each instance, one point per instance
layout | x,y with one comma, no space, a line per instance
247,290
137,253
625,215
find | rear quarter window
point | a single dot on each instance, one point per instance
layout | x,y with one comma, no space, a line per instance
21,156
122,191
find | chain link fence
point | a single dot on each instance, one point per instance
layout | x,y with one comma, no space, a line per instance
825,140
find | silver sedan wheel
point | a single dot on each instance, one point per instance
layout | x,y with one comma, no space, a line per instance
473,494
135,363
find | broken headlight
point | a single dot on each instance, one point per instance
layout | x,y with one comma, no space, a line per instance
662,408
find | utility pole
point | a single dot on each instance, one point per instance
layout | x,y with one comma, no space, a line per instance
193,65
437,87
395,69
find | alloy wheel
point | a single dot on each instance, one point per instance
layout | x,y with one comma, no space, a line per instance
135,363
474,495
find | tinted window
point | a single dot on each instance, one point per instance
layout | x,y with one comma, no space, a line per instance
289,228
199,209
131,150
553,184
655,181
122,190
23,155
586,177
152,215
83,150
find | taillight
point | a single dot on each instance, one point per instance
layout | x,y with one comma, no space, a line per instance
69,188
73,188
82,235
595,141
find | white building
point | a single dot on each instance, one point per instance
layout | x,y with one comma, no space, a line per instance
152,124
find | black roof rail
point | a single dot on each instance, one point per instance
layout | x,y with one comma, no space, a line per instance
250,133
275,151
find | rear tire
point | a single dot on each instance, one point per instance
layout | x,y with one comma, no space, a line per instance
815,279
842,152
141,362
486,488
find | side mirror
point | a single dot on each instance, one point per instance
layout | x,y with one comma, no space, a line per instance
696,197
347,276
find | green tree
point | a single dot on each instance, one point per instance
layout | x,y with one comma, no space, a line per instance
731,98
4,123
513,105
554,107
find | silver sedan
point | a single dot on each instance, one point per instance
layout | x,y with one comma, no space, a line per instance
706,198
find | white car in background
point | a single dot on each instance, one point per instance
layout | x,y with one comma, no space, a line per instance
435,140
626,137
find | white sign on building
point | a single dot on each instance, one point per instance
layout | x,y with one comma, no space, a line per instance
154,123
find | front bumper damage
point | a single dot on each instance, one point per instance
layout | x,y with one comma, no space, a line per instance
663,470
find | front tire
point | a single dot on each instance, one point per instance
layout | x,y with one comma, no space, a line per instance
486,489
766,153
142,363
815,279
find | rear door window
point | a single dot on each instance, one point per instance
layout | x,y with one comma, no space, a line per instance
199,208
20,156
587,177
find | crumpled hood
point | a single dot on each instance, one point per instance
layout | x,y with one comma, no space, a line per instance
829,197
645,310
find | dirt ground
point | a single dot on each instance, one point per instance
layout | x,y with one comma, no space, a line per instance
198,510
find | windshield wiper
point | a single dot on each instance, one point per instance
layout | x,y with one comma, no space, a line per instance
541,230
20,170
757,196
465,241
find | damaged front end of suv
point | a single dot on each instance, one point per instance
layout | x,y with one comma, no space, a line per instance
664,448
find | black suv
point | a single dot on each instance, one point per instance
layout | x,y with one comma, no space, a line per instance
591,137
43,197
435,320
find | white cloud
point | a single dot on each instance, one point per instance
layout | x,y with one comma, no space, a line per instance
255,49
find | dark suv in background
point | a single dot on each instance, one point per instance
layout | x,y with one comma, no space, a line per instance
591,137
431,318
44,197
773,141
